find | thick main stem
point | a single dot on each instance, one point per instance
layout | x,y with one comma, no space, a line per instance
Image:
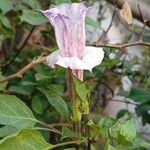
76,114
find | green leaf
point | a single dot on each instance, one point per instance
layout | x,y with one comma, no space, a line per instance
56,101
15,113
128,130
40,77
58,2
7,130
38,105
67,133
2,85
139,95
26,139
91,22
110,62
83,94
121,113
5,21
110,147
5,5
57,88
32,17
19,90
34,4
139,142
29,83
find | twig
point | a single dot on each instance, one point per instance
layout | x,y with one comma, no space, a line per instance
20,73
127,102
122,46
103,37
50,127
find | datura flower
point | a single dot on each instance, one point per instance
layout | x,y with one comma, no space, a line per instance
68,21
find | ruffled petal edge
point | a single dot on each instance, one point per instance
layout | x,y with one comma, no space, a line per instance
92,57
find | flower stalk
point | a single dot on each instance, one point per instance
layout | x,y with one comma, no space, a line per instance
75,104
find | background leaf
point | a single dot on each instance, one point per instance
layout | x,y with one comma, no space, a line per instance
56,101
139,95
32,17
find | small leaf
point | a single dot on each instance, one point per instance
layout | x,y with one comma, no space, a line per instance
15,113
121,113
56,101
32,17
29,83
18,90
66,133
34,4
91,22
40,77
5,21
128,130
139,95
26,139
38,105
58,2
5,5
110,147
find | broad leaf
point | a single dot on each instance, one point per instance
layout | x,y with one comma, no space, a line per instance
56,101
32,17
139,95
15,113
26,139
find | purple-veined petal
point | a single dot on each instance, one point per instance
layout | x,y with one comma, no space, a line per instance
68,21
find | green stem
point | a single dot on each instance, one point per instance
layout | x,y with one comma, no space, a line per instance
45,129
67,143
49,126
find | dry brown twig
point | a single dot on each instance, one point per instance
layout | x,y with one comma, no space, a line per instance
20,73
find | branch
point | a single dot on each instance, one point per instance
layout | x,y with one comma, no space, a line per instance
103,37
120,101
135,10
20,73
122,46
